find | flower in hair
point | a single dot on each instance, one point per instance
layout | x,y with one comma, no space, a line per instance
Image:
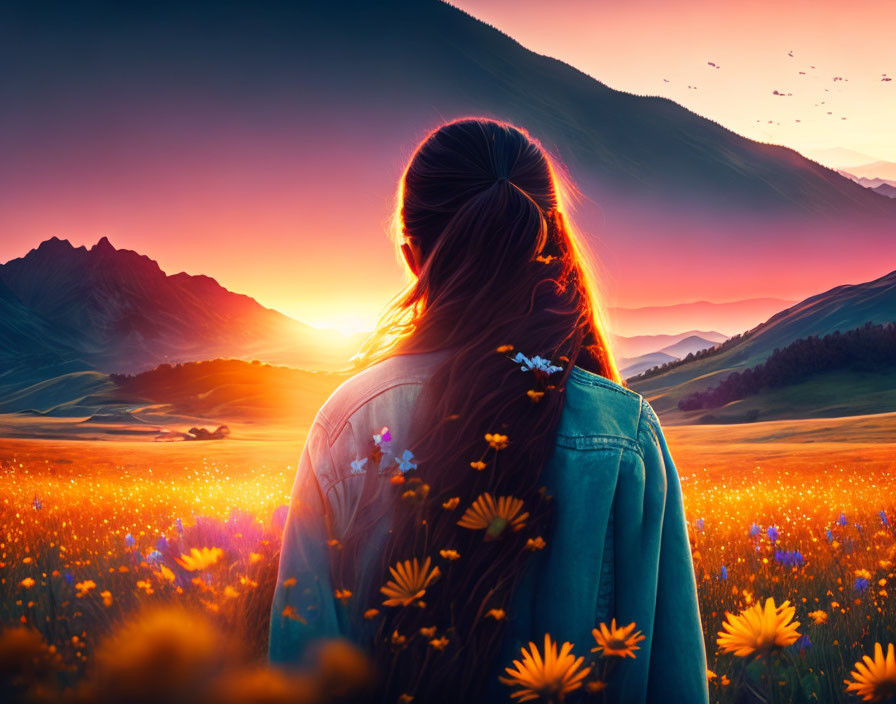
494,517
406,461
496,440
536,363
409,582
383,437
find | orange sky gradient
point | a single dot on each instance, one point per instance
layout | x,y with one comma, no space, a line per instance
241,193
632,46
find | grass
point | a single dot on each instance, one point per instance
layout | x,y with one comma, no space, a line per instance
94,531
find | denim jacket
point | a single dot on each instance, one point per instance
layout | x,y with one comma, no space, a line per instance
619,547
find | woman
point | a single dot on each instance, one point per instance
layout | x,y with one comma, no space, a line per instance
486,480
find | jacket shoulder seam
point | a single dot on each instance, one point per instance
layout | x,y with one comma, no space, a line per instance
336,428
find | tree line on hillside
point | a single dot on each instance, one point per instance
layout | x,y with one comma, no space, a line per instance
870,348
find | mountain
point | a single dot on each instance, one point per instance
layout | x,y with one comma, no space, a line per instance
637,345
641,363
334,95
117,311
688,345
838,157
885,189
681,346
729,318
842,308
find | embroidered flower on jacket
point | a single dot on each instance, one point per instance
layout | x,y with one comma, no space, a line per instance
358,466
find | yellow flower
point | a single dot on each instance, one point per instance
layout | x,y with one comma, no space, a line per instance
759,630
398,639
85,586
343,595
818,617
875,679
595,686
863,573
410,582
497,614
167,573
107,598
493,517
439,643
536,396
504,349
451,503
496,440
291,582
478,465
428,632
449,554
536,543
290,612
405,699
255,557
616,642
371,613
28,582
199,559
551,677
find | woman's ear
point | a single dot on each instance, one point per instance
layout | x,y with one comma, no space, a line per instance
412,256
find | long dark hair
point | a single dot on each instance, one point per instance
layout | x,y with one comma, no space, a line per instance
502,274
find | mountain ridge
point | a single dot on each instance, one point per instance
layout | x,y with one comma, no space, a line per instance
118,311
843,308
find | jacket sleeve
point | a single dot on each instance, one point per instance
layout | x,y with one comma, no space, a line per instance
678,654
304,607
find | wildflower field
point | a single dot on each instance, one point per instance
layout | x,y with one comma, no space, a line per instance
797,511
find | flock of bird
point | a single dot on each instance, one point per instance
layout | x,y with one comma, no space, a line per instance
775,92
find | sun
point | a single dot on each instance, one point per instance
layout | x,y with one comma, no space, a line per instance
348,325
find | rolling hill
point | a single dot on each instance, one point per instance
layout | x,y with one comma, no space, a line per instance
842,308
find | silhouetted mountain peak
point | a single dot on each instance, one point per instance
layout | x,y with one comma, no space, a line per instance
103,246
54,244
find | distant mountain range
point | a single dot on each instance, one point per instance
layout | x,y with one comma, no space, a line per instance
115,310
842,308
877,169
640,353
884,187
727,318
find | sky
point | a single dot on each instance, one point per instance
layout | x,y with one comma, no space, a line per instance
200,152
635,45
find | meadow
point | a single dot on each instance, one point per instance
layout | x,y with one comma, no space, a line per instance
93,532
